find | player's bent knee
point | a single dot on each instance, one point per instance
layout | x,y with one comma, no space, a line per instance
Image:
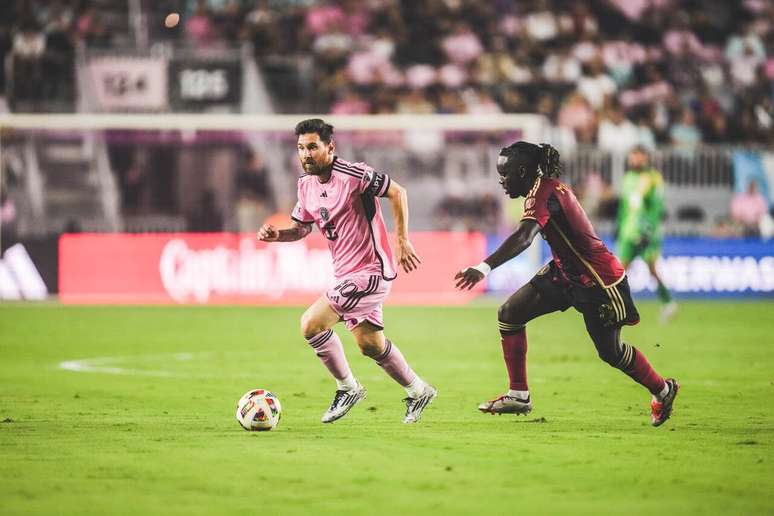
310,327
610,359
508,313
371,349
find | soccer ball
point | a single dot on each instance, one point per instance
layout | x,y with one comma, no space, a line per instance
258,410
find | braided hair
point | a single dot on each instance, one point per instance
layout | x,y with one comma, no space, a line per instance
549,161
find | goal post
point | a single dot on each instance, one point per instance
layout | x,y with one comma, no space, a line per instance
532,127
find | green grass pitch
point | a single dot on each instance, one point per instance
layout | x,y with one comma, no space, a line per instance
160,437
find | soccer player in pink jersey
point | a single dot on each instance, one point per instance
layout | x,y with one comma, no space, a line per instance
342,199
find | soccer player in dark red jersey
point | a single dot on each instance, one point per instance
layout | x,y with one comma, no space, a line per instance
583,274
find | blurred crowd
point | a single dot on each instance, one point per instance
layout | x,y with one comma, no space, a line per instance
609,72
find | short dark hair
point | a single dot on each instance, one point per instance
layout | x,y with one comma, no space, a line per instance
315,125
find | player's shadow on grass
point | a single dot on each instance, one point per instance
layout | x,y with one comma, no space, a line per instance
535,420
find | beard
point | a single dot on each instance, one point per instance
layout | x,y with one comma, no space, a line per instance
312,168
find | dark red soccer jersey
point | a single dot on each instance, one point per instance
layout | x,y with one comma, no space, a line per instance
578,251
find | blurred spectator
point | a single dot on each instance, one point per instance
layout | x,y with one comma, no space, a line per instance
228,22
684,133
561,67
332,46
576,114
680,40
748,209
585,50
86,21
29,44
60,52
350,103
452,76
414,102
621,56
645,136
463,46
655,89
595,84
420,76
498,66
323,15
450,102
199,28
634,9
260,28
541,24
716,129
745,44
480,102
617,133
580,23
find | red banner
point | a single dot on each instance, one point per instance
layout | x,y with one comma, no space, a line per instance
235,268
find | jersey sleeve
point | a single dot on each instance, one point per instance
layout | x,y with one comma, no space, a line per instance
374,183
536,204
299,213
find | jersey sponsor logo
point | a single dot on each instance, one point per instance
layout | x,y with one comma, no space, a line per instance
329,229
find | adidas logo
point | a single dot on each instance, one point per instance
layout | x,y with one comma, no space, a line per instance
19,278
324,194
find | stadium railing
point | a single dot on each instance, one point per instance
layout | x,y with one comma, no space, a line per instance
436,156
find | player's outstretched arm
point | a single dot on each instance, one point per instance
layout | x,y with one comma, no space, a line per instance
269,233
513,246
407,256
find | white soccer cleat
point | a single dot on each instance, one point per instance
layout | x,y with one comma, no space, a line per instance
415,406
668,312
506,405
342,402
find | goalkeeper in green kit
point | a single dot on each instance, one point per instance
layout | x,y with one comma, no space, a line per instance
640,215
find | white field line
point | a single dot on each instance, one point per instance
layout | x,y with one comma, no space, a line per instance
111,365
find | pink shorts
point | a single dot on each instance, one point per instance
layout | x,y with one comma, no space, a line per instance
360,298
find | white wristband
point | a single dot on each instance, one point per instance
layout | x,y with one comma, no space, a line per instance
483,268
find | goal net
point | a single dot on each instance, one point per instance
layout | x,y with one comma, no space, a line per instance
151,172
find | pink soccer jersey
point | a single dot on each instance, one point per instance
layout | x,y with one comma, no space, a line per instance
346,209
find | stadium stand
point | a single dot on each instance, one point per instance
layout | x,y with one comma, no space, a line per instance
684,78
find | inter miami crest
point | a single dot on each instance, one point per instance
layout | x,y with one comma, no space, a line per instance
324,214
